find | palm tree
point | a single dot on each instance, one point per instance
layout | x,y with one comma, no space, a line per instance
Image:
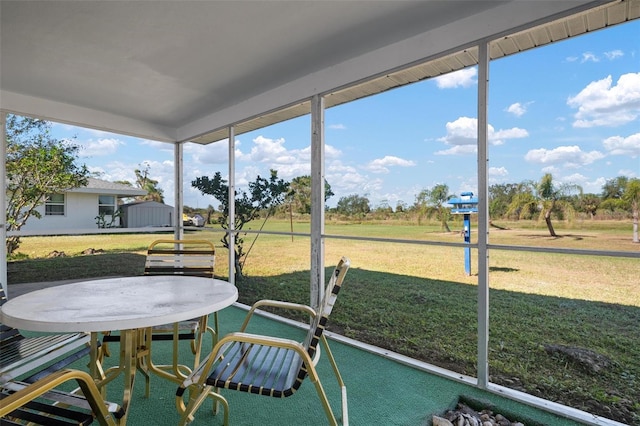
632,196
430,202
548,198
143,181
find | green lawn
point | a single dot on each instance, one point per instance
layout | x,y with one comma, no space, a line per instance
416,299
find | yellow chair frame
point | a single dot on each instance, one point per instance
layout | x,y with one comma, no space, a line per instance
238,360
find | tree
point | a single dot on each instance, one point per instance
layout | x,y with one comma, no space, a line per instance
549,198
38,166
631,195
299,195
143,181
500,197
210,211
614,188
524,205
589,203
430,202
353,205
264,194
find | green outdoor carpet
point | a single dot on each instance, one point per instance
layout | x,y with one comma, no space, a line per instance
380,391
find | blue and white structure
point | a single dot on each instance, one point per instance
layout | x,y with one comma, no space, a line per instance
465,205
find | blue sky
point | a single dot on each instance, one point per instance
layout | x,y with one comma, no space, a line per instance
571,109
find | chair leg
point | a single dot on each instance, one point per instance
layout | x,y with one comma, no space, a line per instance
343,387
196,398
325,403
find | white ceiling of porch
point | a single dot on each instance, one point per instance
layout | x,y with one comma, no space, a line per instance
185,70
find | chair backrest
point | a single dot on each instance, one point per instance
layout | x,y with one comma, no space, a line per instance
180,257
20,354
330,296
7,334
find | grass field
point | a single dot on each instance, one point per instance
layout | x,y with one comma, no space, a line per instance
416,300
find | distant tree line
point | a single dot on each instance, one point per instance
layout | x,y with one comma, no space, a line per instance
38,165
543,200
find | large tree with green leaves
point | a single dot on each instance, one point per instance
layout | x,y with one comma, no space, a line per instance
500,197
631,195
264,196
353,205
614,188
299,195
548,198
431,202
589,204
38,166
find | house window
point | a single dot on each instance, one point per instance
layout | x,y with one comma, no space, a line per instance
54,205
106,205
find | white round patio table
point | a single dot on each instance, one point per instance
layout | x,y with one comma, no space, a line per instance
130,304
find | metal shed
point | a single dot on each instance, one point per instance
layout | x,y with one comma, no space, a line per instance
146,213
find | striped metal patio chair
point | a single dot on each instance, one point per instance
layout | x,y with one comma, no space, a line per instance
41,403
20,355
33,399
266,365
179,257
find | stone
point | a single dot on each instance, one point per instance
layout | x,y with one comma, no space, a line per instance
440,421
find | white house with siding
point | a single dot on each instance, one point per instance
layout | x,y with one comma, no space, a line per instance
78,208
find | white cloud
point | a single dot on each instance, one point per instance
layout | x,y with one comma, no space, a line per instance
381,165
214,153
337,126
588,185
458,150
288,163
574,179
498,171
273,154
601,104
265,150
594,186
592,57
497,138
462,135
100,147
461,78
614,54
589,57
628,173
517,109
331,152
629,146
566,156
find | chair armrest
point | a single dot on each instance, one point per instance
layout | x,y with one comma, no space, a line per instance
101,409
259,339
217,355
276,304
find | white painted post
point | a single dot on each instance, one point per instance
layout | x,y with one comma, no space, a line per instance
483,218
317,201
232,204
178,168
3,203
